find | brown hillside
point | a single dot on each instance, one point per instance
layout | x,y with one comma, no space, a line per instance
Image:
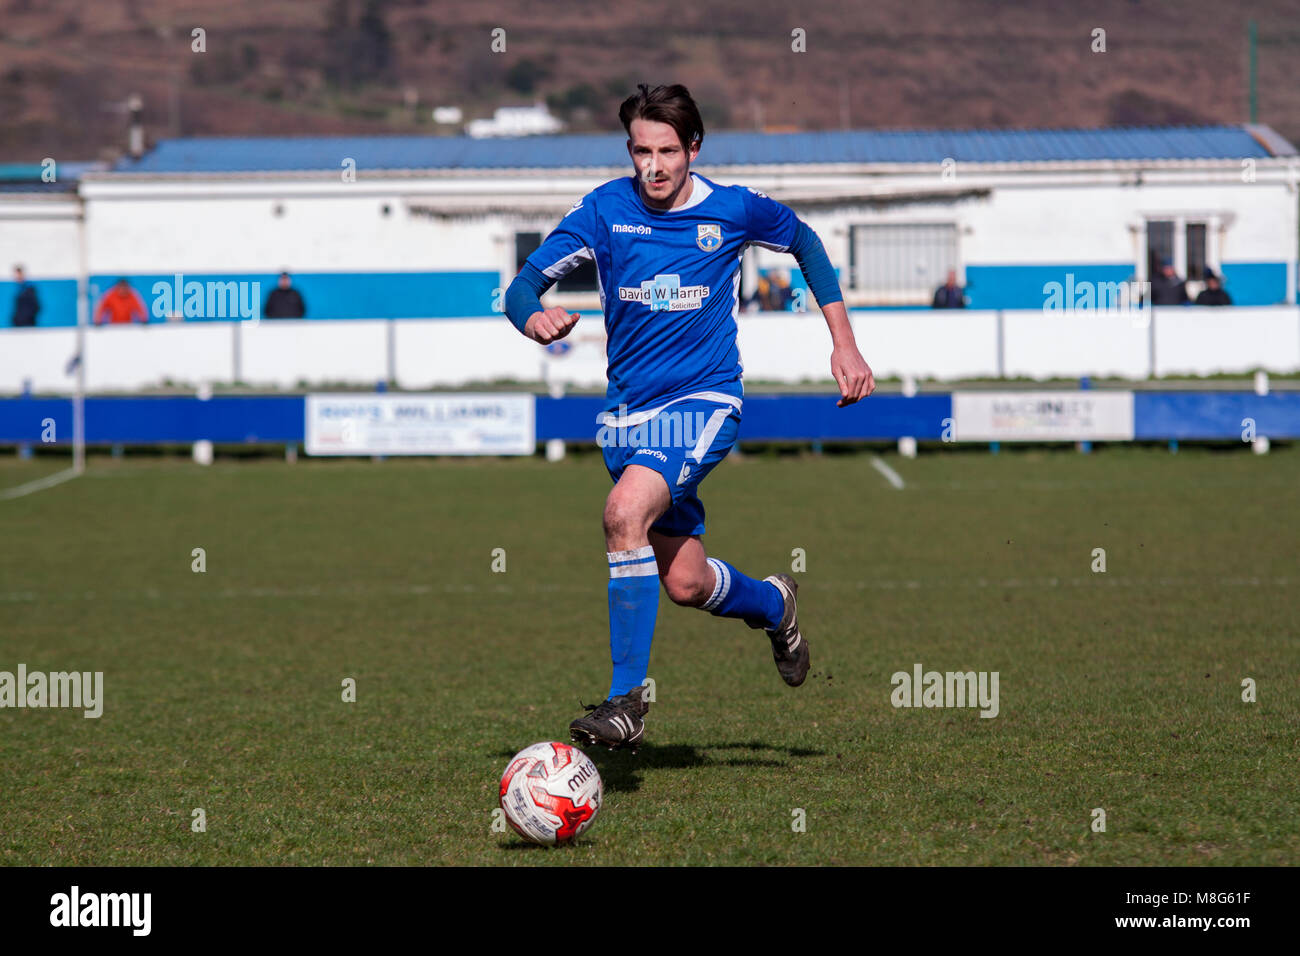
284,67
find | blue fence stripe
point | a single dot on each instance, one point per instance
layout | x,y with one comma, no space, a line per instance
280,418
1214,415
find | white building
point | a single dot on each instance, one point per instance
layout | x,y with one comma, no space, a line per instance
535,120
434,228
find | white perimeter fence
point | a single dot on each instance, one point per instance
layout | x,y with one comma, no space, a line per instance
422,354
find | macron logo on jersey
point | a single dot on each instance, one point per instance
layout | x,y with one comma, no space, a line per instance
634,230
665,293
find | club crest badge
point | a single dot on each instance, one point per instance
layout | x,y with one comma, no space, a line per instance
708,236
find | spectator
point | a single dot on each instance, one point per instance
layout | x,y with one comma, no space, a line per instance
26,304
1167,288
121,304
782,294
284,302
766,297
949,295
1213,293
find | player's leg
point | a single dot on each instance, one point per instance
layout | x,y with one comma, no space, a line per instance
693,579
639,496
683,567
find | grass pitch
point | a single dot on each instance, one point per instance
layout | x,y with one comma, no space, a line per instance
223,689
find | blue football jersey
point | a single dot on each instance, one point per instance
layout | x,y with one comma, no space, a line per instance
669,282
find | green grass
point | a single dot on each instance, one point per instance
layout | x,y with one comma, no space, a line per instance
223,689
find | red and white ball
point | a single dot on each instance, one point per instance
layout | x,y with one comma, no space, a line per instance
551,792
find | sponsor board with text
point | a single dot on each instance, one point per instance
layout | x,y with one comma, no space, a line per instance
1043,416
423,424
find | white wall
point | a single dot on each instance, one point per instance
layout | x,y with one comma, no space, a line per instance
458,351
281,354
1030,216
40,234
943,346
136,356
1029,224
341,233
1076,344
427,353
1201,342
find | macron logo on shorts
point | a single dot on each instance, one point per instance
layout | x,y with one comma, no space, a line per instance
686,473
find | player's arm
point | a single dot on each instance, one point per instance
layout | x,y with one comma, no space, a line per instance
851,371
774,225
524,307
568,246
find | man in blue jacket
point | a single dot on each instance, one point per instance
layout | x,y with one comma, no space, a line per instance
26,304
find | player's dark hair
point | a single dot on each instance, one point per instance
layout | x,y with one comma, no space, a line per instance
665,104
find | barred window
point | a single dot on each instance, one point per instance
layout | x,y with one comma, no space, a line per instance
899,263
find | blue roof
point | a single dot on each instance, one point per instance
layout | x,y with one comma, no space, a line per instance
220,155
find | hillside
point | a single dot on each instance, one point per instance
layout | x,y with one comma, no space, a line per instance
374,66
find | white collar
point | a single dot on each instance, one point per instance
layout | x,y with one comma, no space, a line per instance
700,191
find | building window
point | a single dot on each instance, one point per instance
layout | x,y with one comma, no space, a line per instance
900,263
1195,251
1160,246
1180,241
581,279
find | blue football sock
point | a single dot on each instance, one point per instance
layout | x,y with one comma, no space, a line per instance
757,603
633,607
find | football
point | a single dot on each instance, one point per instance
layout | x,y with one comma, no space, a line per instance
551,792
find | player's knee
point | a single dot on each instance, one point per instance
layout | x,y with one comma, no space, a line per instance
623,519
688,592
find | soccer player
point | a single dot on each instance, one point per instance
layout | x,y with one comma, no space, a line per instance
667,244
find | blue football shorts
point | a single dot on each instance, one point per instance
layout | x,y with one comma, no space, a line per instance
682,442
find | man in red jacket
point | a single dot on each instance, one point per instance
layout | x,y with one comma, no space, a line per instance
121,304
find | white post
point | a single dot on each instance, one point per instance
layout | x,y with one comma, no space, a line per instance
236,353
907,444
1260,445
390,344
555,388
83,318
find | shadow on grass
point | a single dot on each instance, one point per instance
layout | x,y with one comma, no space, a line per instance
522,846
621,771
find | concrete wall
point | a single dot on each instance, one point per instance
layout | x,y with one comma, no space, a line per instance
774,347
